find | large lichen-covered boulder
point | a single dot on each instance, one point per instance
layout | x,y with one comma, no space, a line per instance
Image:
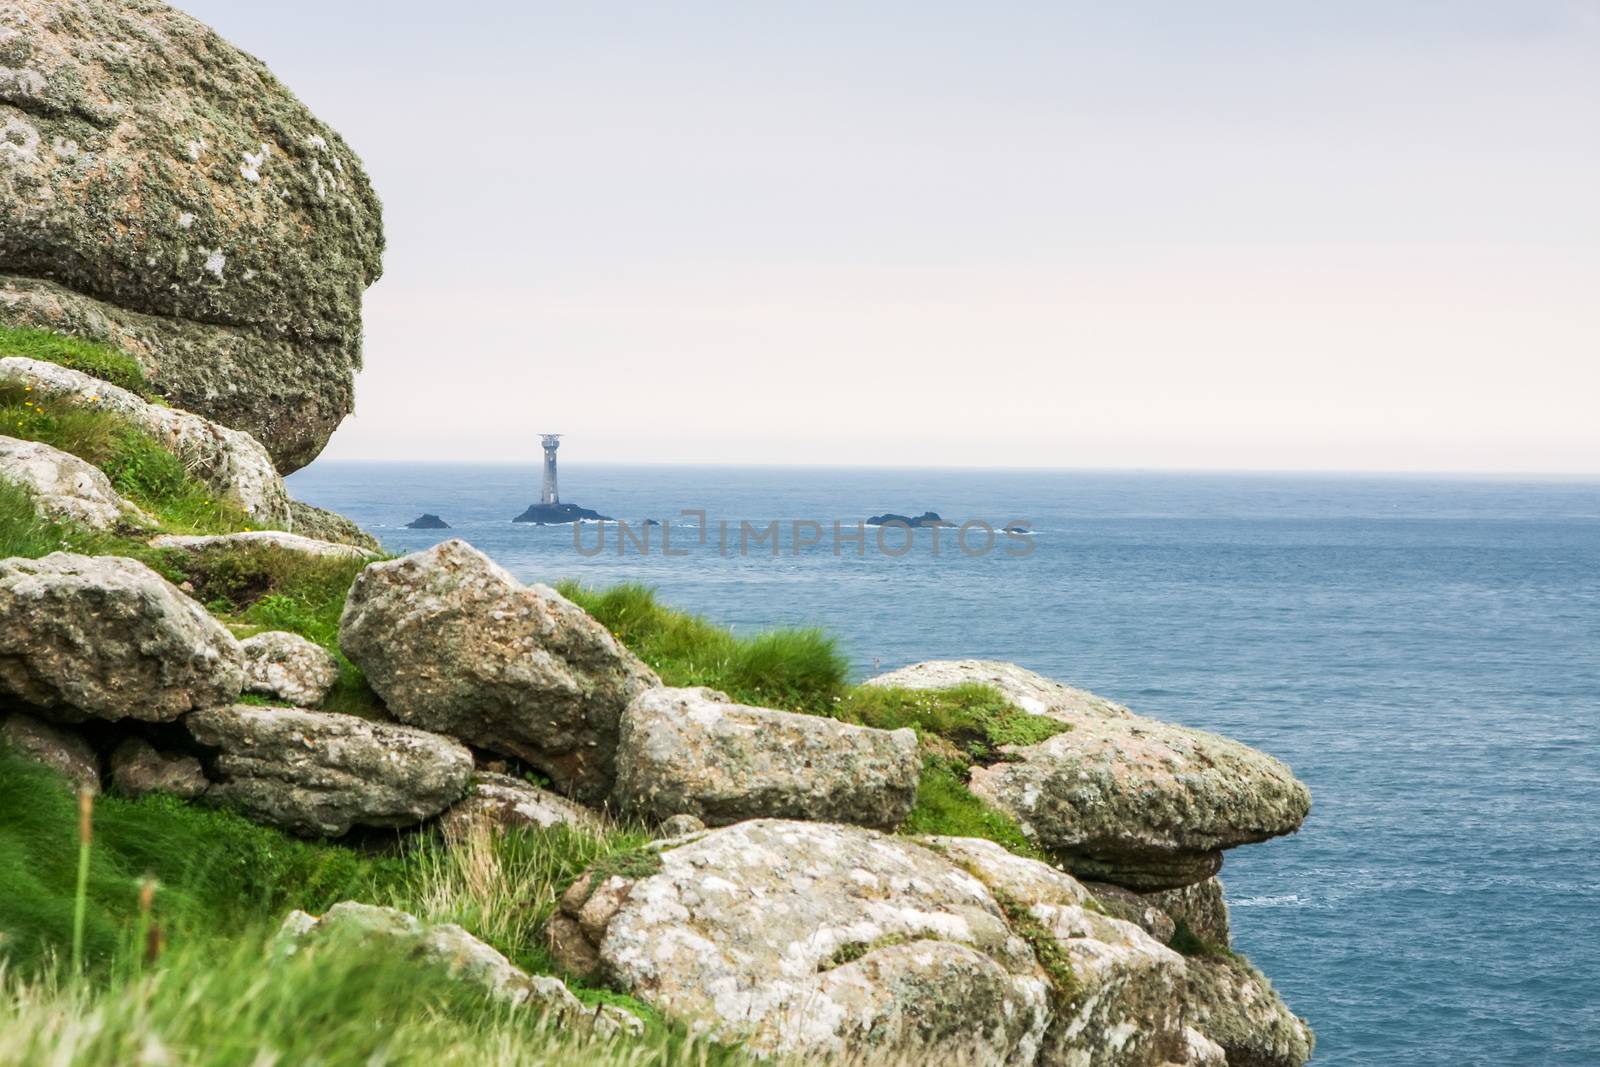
696,752
319,773
65,488
1118,797
105,637
453,643
288,667
231,463
161,190
447,949
819,939
60,750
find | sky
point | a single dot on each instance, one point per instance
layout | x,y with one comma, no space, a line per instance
1285,234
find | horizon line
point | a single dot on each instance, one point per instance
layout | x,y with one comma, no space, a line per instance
1586,475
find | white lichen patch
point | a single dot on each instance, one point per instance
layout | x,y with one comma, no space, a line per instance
250,169
19,142
215,262
21,82
185,220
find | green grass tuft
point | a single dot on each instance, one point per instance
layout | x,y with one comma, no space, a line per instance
795,669
24,532
139,466
217,997
218,872
264,587
945,807
102,361
240,1005
976,719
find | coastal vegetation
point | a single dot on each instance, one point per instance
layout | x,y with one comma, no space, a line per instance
102,361
181,905
140,468
146,929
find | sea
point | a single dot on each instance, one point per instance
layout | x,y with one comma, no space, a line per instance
1423,651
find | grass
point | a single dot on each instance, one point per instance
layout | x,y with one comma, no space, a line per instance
139,466
804,670
945,807
957,727
102,361
24,532
238,1006
976,719
502,885
795,669
216,995
264,587
219,873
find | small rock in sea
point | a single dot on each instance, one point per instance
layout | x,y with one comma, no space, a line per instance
559,514
926,519
429,521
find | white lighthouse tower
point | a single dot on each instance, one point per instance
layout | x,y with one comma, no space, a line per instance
547,493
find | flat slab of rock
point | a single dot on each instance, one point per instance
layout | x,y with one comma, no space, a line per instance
188,208
696,752
499,800
1118,797
108,638
231,463
288,667
451,642
1028,690
318,773
819,939
138,768
64,487
448,949
58,749
287,542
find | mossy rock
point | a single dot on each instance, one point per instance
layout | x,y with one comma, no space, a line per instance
161,191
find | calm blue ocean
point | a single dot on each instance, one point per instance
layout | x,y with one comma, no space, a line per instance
1424,652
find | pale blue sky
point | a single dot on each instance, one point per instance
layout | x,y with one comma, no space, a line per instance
1241,235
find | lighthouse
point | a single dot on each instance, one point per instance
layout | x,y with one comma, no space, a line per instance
550,511
547,493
